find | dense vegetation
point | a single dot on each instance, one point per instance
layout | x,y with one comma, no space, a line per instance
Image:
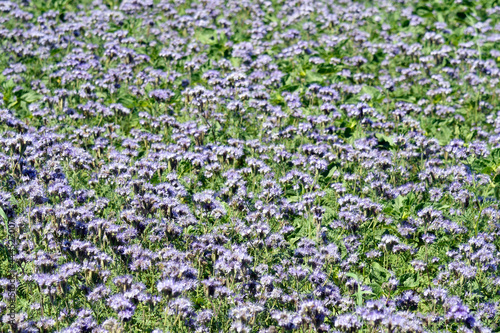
250,166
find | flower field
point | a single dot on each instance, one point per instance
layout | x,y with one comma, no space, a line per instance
249,166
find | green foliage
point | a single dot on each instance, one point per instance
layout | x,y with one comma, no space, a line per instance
345,137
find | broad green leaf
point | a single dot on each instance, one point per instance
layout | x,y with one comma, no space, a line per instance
313,77
207,37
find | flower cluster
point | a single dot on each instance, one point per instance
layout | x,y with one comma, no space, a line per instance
250,166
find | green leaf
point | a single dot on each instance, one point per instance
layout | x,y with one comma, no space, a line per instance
497,192
326,69
399,203
331,172
379,274
489,164
372,91
379,269
294,240
155,180
236,62
495,155
469,136
126,101
354,276
30,97
290,87
377,289
409,280
384,141
496,179
313,77
8,85
207,37
4,216
359,295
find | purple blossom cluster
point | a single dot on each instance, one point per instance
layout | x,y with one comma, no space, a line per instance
250,166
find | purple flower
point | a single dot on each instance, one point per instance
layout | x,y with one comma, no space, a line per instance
347,323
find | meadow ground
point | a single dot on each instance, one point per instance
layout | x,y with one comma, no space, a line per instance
249,166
